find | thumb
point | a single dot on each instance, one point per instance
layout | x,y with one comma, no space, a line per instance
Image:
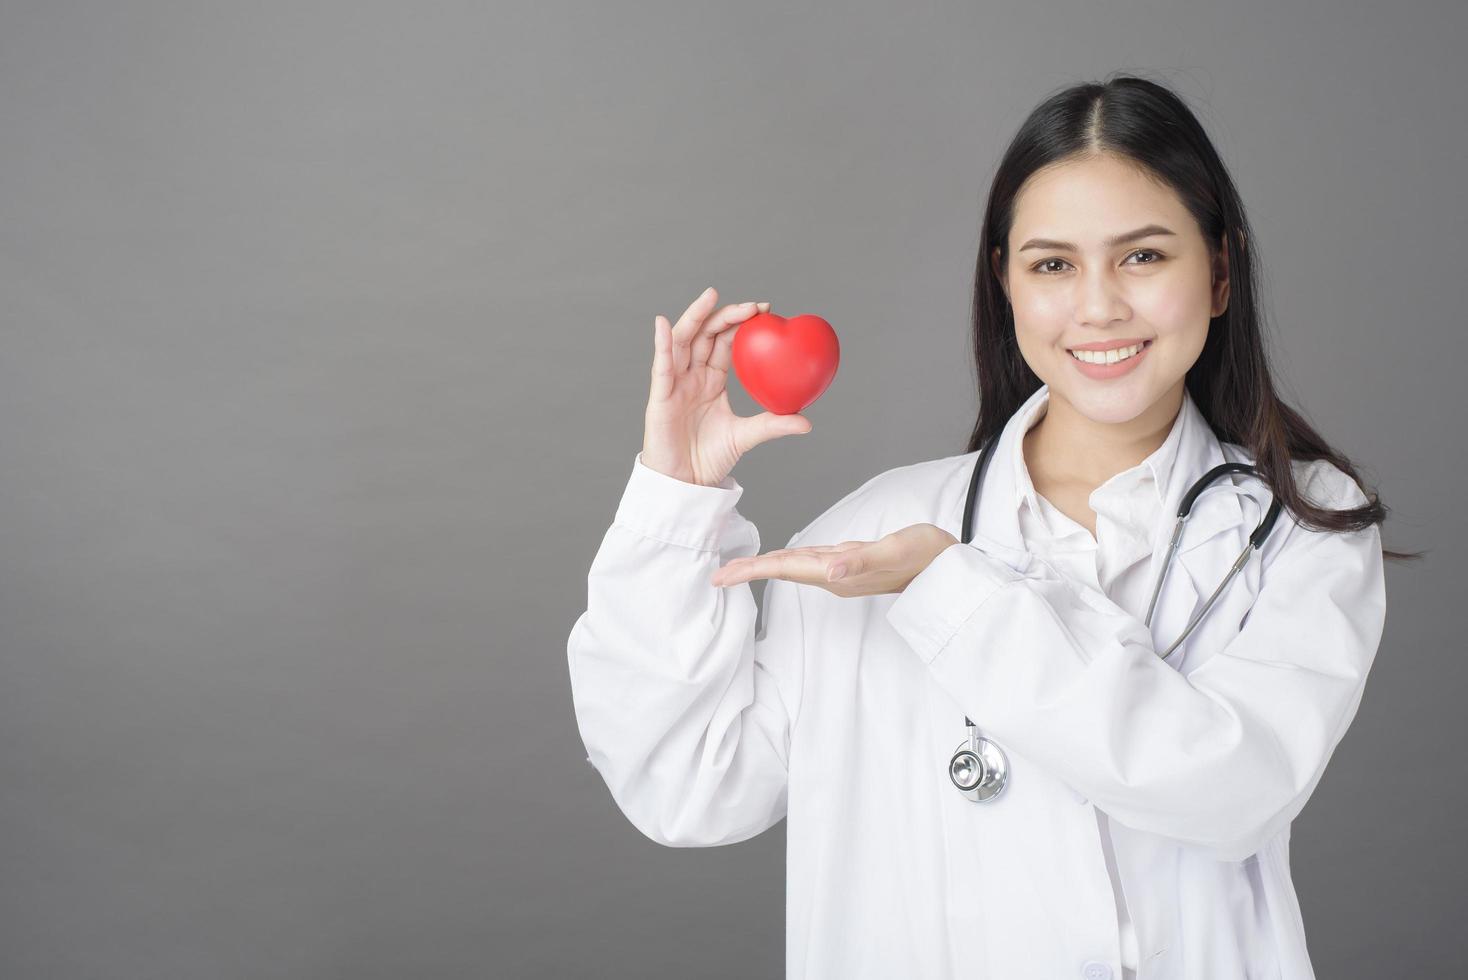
766,426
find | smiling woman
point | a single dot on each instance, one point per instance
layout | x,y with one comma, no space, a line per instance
1161,754
1112,221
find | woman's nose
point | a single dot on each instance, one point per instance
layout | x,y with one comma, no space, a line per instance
1099,298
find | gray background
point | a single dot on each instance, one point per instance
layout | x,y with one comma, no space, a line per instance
326,334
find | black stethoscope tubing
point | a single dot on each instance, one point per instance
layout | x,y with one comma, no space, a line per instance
980,769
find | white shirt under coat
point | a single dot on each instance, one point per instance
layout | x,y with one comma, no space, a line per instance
1148,811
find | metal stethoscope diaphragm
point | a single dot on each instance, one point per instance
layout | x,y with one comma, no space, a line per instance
979,767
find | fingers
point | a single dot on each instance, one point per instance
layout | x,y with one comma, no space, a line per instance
704,340
797,565
724,575
752,430
723,342
688,326
811,564
662,359
697,338
820,548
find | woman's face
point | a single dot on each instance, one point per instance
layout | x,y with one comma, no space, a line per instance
1069,286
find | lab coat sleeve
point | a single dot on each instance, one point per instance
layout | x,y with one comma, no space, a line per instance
684,712
1222,758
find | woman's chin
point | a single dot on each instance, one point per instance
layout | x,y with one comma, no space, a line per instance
1110,402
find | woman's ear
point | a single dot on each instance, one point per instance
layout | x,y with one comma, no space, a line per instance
1221,277
994,260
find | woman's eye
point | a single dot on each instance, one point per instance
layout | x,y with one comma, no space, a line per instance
1044,267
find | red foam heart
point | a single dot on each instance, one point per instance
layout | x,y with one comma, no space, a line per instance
785,364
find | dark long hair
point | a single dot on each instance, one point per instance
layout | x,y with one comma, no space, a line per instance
1146,123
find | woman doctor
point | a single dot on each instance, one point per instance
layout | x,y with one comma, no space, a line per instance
1144,827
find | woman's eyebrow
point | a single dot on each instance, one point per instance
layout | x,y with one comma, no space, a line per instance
1130,236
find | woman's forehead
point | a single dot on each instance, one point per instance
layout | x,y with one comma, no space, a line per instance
1091,200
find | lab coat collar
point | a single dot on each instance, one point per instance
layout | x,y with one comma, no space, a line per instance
1215,534
1158,466
1197,451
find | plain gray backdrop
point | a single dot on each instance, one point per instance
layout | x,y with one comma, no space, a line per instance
326,340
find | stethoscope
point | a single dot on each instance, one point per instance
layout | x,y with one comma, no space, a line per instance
979,768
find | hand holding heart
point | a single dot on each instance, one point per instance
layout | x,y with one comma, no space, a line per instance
691,433
851,568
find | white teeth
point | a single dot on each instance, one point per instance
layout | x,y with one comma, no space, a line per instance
1107,356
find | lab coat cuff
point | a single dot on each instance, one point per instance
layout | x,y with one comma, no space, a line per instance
676,512
943,596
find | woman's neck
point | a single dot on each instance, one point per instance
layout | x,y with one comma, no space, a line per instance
1064,449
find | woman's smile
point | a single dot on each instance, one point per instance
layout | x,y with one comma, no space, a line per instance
1112,363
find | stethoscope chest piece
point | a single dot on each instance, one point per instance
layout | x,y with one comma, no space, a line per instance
979,768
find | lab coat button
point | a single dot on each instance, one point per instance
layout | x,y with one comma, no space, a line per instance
1096,970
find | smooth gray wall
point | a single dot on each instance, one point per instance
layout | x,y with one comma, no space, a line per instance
326,338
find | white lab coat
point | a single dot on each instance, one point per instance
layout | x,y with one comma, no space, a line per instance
842,713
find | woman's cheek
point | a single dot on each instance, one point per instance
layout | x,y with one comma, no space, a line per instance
1049,308
1041,320
1175,304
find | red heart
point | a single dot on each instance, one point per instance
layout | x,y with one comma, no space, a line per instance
785,364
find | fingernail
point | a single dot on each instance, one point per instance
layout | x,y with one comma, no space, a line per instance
837,572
